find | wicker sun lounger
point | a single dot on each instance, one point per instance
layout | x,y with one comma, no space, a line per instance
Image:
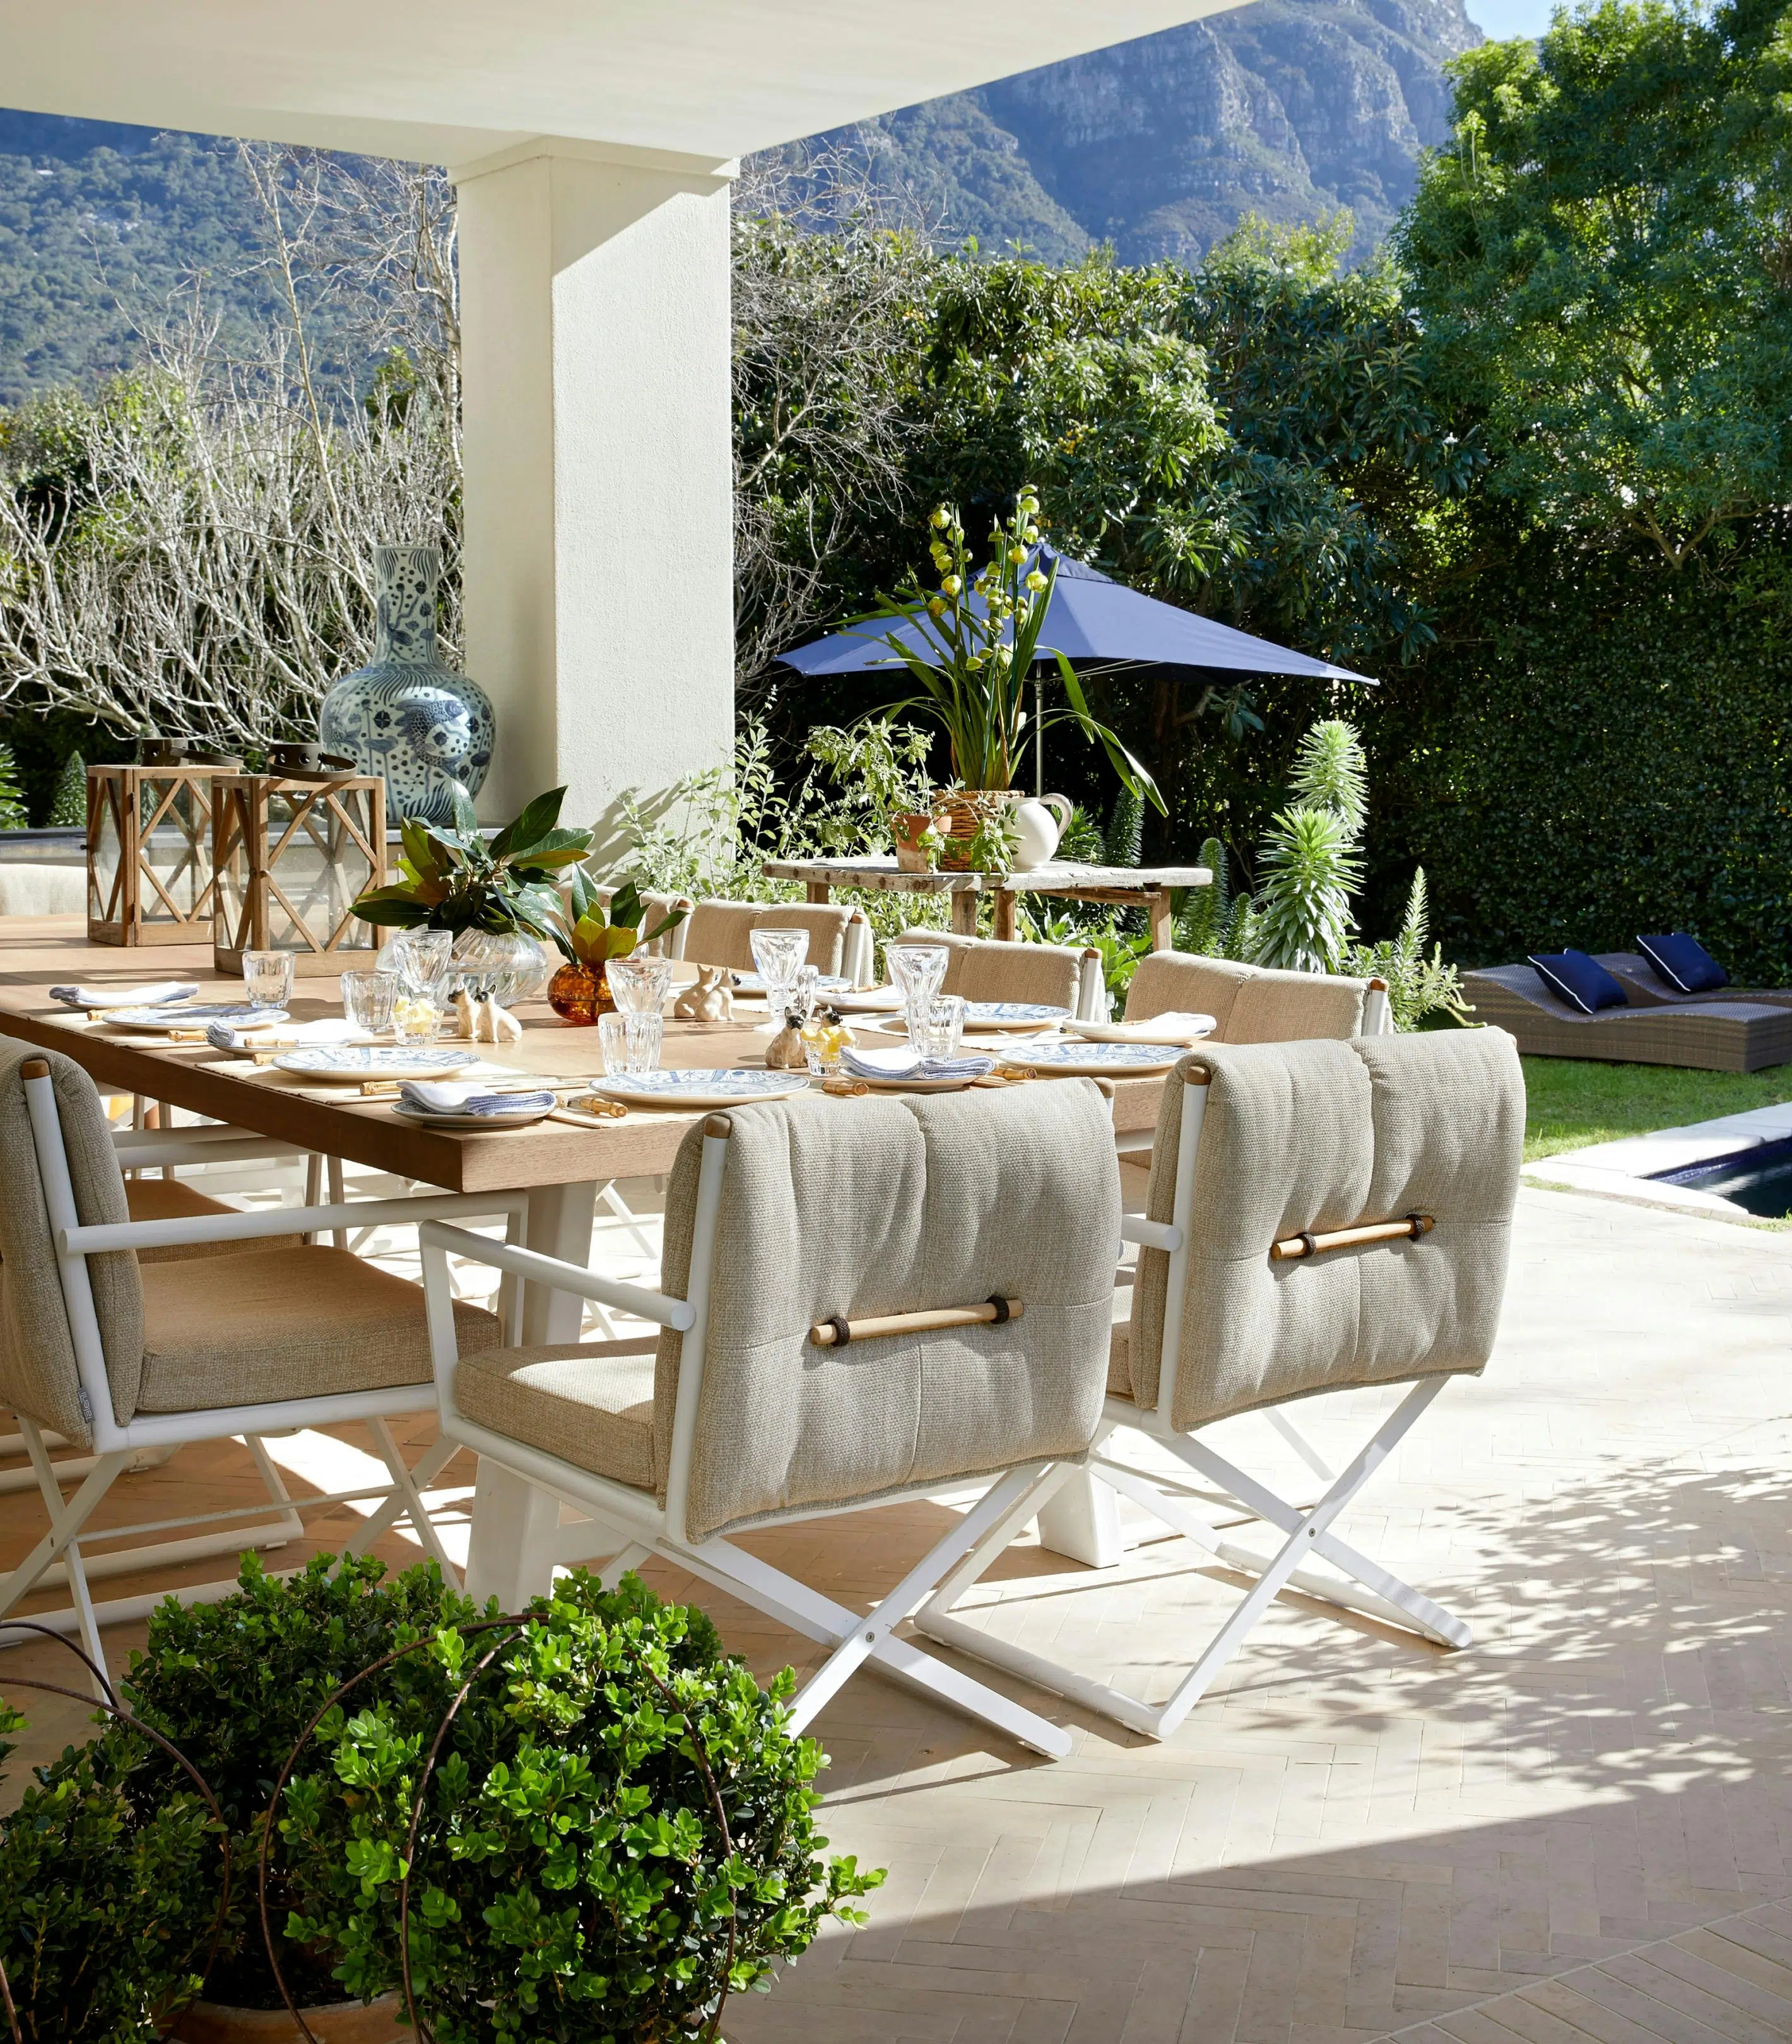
1734,1030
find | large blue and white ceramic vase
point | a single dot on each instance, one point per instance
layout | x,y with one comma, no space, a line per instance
406,716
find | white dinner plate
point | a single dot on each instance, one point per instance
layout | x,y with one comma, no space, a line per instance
990,1017
731,1086
869,1001
343,1063
513,1118
233,1014
1188,1029
1094,1060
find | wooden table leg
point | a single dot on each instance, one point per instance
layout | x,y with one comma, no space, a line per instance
1163,921
1004,926
557,1224
964,911
818,891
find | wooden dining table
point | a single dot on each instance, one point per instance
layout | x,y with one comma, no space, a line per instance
561,1168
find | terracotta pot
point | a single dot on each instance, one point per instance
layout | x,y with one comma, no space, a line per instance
332,2023
580,993
907,827
960,817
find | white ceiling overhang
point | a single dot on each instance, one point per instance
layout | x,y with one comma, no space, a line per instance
451,81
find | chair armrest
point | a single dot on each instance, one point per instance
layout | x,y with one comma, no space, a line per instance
282,1220
530,1266
1153,1234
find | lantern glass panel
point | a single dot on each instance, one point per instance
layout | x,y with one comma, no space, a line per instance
317,875
105,902
176,854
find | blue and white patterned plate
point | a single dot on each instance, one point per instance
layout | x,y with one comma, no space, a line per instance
233,1014
750,982
1094,1059
727,1088
1007,1015
342,1063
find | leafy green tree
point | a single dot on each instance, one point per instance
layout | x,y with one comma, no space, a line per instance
12,796
1601,261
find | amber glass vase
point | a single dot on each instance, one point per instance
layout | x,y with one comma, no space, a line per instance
580,993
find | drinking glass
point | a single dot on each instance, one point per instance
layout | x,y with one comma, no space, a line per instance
918,970
416,1016
367,1000
423,959
942,1029
804,993
639,986
267,978
612,1045
779,954
641,1038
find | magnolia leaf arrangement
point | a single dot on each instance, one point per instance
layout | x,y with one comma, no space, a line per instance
453,878
589,935
979,639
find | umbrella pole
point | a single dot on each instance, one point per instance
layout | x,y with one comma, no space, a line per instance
1039,733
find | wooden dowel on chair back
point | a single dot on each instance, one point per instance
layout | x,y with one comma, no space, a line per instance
1295,1247
828,1333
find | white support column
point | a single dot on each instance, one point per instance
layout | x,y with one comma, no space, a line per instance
598,558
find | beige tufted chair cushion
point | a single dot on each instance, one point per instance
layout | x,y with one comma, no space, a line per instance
1318,1135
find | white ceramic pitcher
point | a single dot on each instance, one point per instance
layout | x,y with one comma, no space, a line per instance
1039,822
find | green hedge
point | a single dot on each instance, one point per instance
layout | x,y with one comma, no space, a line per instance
1609,753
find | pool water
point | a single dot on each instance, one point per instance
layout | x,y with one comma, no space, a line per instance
1758,1181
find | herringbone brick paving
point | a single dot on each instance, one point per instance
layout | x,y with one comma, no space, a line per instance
1357,1835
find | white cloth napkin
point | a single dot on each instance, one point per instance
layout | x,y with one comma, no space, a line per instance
904,1064
152,993
445,1097
1174,1026
223,1036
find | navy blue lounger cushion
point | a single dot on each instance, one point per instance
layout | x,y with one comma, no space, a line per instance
1686,966
1580,981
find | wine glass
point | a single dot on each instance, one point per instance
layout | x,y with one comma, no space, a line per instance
780,956
918,970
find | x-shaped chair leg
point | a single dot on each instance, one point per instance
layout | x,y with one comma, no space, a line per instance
1307,1533
857,1636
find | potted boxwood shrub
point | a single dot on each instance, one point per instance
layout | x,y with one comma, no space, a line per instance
232,1684
588,1824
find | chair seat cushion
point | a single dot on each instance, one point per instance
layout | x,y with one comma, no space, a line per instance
289,1322
171,1199
585,1405
1119,1345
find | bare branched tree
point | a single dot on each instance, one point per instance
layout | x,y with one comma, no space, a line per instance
190,551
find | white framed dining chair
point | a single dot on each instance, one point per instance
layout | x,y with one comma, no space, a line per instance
862,1303
993,969
123,1356
1323,1216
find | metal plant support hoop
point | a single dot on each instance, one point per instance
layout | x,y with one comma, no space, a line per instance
516,1625
109,1703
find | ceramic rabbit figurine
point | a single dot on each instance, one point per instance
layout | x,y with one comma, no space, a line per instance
710,1000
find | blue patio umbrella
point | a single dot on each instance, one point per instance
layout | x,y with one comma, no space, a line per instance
1095,622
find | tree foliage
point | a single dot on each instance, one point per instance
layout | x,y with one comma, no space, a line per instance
1602,259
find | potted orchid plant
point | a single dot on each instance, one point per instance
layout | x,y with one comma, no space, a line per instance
972,643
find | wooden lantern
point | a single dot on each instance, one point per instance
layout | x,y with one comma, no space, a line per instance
292,849
149,850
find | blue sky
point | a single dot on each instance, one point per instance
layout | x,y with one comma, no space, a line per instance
1500,19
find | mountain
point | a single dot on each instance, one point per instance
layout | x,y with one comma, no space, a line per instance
1287,108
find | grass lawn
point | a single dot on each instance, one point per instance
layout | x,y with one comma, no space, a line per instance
1573,1103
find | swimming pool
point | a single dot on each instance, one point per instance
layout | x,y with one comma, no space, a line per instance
1758,1180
